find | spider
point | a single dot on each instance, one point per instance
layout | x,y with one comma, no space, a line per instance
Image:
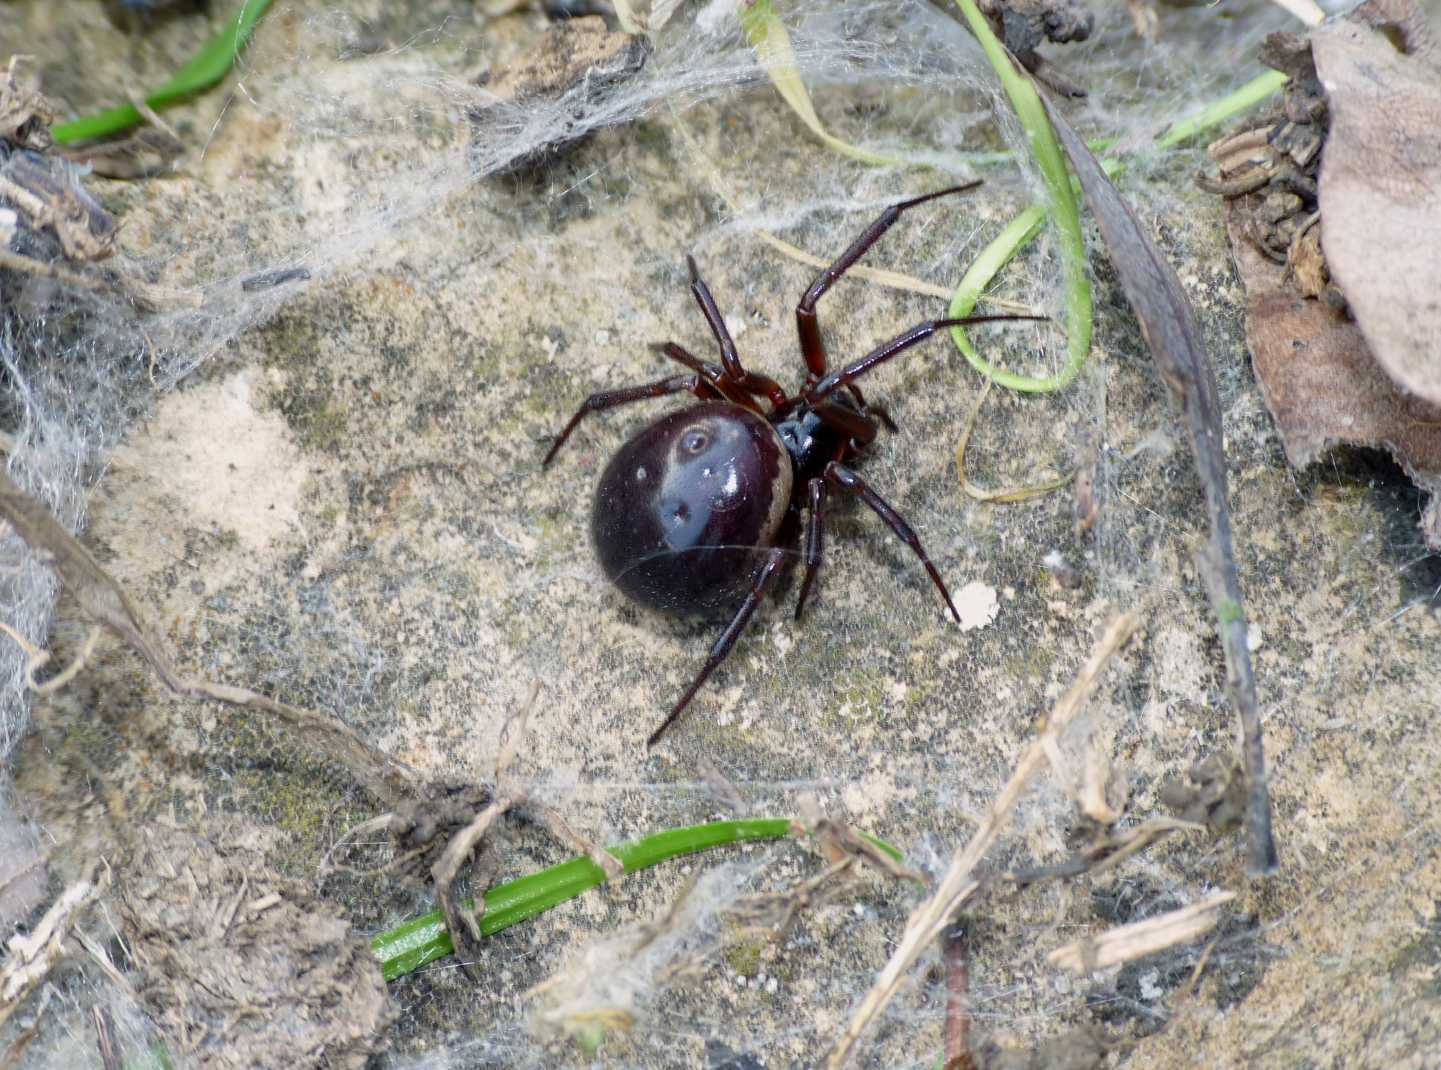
701,509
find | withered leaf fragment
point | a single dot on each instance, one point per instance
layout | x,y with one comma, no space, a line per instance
1380,189
1323,388
1169,327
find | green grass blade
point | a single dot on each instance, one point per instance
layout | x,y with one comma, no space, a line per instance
207,67
425,939
1028,224
772,44
1064,211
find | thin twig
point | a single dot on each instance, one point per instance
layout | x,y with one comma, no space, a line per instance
31,266
32,957
956,954
105,600
959,883
39,658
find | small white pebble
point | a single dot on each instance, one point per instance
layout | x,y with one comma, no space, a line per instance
772,986
977,604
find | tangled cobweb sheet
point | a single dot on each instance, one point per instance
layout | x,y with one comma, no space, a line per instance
317,468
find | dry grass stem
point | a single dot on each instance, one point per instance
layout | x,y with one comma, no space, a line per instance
839,841
31,266
40,658
959,883
105,1041
894,280
452,858
1142,938
770,915
981,494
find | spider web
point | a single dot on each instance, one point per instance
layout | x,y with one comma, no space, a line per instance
329,488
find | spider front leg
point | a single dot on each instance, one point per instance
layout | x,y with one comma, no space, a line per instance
760,385
765,578
715,377
609,399
808,325
838,475
818,391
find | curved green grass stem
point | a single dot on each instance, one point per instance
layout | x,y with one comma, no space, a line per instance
1021,230
424,939
1064,211
208,66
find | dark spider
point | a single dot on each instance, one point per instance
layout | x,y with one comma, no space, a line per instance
701,506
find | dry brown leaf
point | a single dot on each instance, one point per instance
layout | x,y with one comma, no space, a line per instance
1380,188
1323,387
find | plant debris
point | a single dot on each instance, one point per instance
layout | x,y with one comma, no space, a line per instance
1380,190
1212,793
31,957
1169,328
579,57
961,882
1141,938
149,152
1323,388
25,115
1319,196
242,967
1023,25
1268,172
46,214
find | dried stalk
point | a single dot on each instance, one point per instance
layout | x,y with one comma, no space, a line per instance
1141,938
930,919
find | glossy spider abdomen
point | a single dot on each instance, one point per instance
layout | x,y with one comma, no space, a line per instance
686,507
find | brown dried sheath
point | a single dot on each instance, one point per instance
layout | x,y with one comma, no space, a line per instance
1169,327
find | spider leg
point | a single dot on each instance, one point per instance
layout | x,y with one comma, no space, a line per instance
752,382
765,577
609,399
815,537
880,412
713,376
822,389
813,349
856,426
840,476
